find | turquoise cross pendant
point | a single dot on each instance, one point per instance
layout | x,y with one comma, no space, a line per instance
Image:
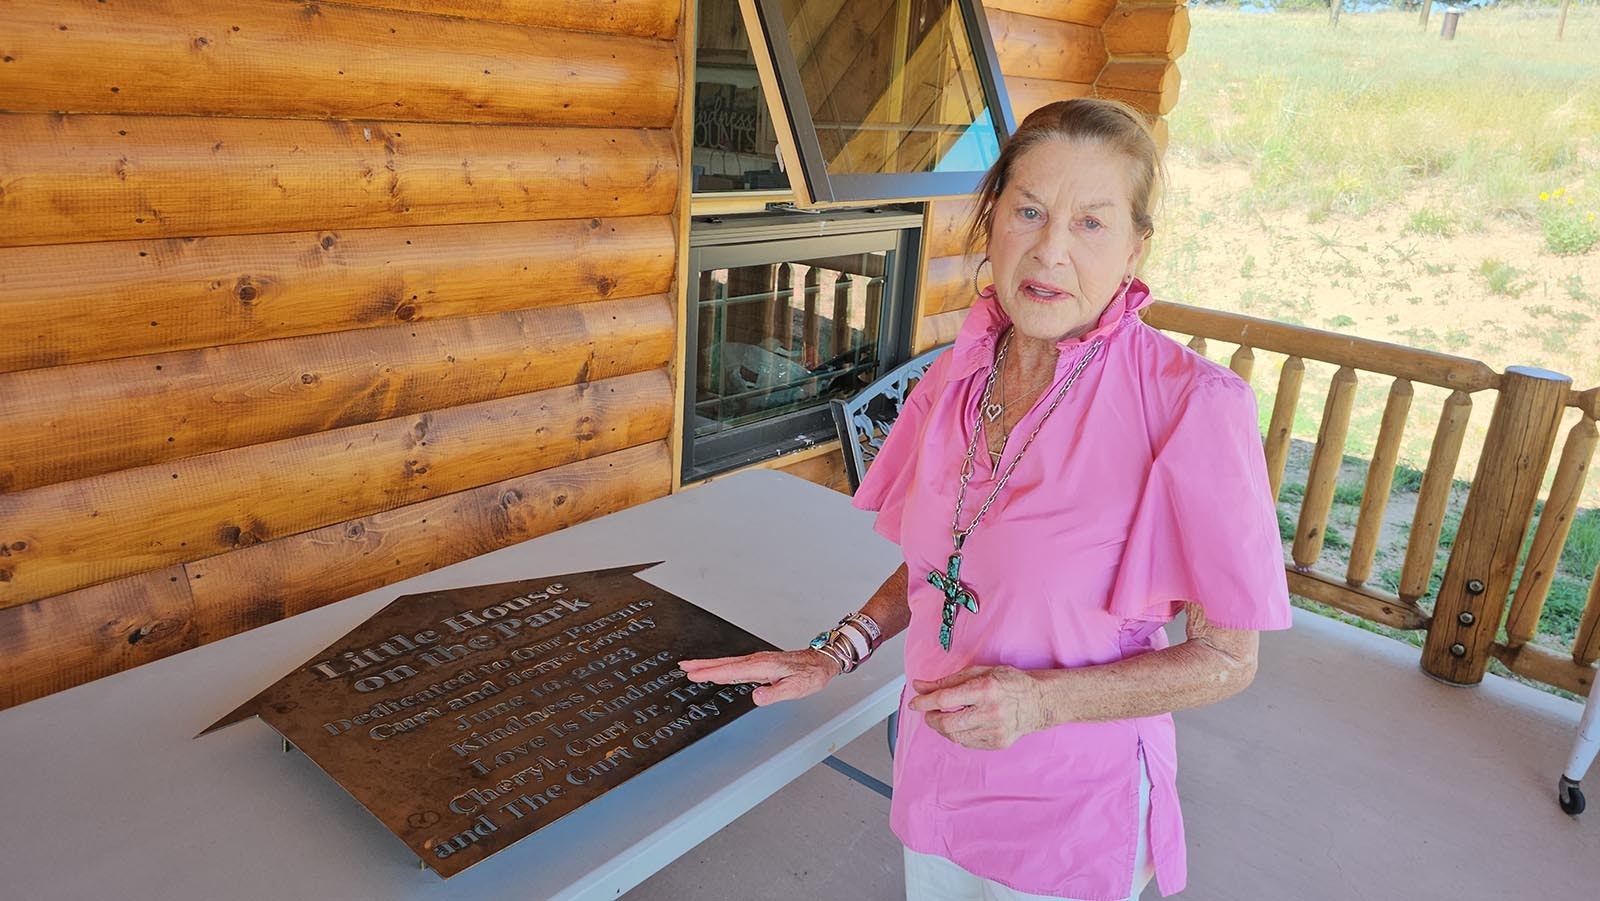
956,596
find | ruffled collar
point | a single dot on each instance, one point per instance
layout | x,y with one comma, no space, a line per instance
975,344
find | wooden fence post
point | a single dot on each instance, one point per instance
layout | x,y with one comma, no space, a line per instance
1427,7
1522,434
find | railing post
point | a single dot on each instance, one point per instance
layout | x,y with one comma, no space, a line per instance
1522,434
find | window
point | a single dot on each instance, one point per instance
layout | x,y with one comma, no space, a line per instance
880,99
786,315
833,102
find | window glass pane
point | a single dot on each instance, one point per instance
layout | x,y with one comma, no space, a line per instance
735,147
893,87
779,337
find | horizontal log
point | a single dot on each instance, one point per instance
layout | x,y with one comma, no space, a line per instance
1150,76
1161,31
938,329
73,422
267,582
645,18
1151,105
944,232
97,178
948,284
1366,602
1588,401
1035,47
1078,12
1342,350
826,470
1029,94
75,303
821,464
1544,665
326,61
53,644
75,534
1160,131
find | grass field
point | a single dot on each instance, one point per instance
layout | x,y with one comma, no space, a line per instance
1375,180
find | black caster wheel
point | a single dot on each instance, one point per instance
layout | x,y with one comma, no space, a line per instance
1570,796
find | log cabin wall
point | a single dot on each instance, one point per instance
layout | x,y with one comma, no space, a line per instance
302,299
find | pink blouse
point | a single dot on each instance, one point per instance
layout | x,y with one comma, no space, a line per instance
1147,487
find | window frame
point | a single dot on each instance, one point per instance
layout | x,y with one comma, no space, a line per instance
813,185
725,242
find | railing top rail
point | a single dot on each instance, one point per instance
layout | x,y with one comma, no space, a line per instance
1426,366
1587,401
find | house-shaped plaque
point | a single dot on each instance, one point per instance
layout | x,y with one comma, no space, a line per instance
468,719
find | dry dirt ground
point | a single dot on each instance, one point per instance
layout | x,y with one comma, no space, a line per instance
1376,277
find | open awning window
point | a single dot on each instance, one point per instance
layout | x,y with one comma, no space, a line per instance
879,100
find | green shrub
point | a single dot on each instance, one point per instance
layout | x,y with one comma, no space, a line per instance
1567,231
1332,538
1502,278
1563,607
1407,478
1582,551
1427,221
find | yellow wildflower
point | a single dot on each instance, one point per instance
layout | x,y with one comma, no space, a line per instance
1591,217
1569,201
1544,195
1560,191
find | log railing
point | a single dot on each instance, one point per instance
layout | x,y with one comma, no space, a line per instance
1462,626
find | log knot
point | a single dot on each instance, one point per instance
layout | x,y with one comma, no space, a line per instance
237,537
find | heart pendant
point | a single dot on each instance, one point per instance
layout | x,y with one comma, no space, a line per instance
993,411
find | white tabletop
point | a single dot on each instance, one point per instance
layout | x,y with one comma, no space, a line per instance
104,793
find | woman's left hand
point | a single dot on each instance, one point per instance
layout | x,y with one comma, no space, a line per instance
982,707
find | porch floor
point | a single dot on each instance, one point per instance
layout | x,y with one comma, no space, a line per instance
1342,773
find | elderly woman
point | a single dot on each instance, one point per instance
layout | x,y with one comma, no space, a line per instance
1062,482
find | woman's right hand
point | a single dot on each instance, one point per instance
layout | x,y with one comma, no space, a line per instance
782,675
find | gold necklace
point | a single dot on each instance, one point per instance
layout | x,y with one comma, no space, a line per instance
996,411
956,593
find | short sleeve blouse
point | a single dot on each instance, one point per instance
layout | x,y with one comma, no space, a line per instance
1146,489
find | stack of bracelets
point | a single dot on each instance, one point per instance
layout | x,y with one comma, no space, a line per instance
851,642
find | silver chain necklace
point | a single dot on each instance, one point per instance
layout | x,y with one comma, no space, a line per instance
956,594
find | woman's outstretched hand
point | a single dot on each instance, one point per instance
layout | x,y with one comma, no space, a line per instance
982,707
782,675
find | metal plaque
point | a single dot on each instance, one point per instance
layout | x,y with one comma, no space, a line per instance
467,719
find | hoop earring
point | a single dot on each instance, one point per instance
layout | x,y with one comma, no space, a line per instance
975,289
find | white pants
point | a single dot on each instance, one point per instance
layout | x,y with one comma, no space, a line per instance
932,878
